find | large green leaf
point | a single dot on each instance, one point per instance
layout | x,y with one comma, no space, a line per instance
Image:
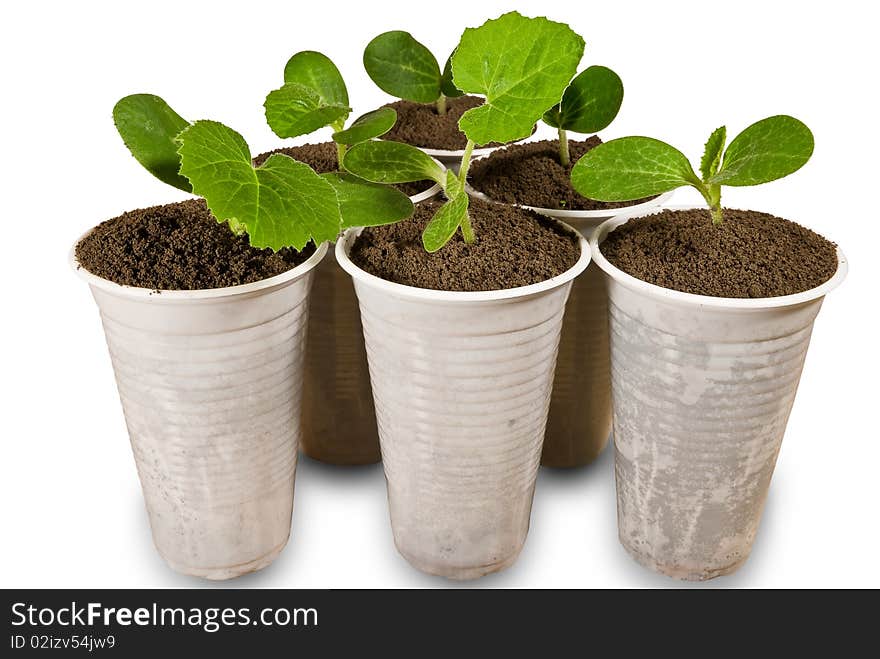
766,151
365,204
319,73
448,217
296,109
282,203
403,67
367,126
712,153
148,126
392,162
521,65
631,168
589,103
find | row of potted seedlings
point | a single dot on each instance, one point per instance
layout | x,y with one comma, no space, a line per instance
428,336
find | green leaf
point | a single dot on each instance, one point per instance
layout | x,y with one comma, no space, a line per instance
447,87
365,204
317,72
712,153
148,126
448,218
521,65
282,203
392,162
367,126
403,67
765,151
589,103
295,109
631,168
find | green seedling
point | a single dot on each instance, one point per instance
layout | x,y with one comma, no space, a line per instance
521,65
635,167
405,68
590,102
313,96
281,203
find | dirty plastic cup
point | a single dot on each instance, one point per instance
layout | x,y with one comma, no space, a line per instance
210,386
339,423
461,383
579,422
702,389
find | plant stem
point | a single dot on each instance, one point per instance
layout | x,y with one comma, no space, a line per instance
564,157
717,219
712,195
441,104
467,231
340,154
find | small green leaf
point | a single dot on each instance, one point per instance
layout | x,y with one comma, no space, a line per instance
447,87
319,73
631,168
589,103
712,153
403,67
521,65
295,109
367,126
392,162
365,204
449,216
766,151
282,203
148,126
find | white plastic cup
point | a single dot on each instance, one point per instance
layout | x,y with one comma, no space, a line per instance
336,375
461,383
702,389
579,422
210,386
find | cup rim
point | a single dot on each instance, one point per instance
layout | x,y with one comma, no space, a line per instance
703,301
344,244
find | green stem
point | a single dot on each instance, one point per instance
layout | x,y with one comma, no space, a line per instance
712,195
441,104
564,157
340,154
467,231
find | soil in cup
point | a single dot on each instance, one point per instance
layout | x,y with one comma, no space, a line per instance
179,246
514,247
750,255
322,158
419,124
531,174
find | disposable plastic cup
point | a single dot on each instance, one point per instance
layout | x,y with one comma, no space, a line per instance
339,423
461,384
210,384
702,388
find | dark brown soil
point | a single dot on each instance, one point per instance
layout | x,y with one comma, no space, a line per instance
322,158
514,247
179,247
750,255
531,174
419,124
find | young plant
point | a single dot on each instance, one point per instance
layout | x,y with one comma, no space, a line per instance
589,104
405,68
631,168
521,65
281,203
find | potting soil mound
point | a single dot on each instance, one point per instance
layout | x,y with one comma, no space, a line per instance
322,158
750,255
531,174
513,247
179,246
419,124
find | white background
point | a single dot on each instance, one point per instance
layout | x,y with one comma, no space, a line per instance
72,513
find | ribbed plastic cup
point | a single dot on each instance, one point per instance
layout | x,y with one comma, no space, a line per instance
702,389
336,373
461,383
579,422
210,384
